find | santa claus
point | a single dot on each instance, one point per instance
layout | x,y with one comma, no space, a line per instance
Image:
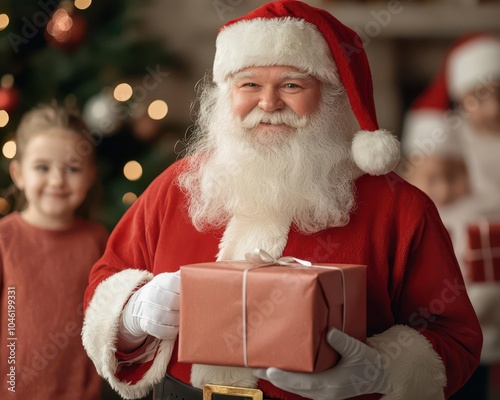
286,157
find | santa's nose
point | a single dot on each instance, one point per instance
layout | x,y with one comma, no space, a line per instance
270,100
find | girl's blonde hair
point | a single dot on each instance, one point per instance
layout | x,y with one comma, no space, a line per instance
42,118
48,116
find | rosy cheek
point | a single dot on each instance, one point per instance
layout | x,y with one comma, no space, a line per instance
241,107
236,106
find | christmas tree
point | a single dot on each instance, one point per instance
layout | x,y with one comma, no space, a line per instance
95,57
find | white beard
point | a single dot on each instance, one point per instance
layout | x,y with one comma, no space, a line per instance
304,177
257,186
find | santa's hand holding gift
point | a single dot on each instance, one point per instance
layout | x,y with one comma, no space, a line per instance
360,371
287,156
153,310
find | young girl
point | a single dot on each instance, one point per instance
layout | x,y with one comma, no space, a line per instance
47,249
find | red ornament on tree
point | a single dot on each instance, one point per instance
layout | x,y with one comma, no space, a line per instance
9,98
66,29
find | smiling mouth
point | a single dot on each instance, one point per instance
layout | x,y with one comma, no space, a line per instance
59,195
274,125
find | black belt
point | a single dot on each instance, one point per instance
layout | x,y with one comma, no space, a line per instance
172,389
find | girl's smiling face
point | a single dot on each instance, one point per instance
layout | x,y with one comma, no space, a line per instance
55,178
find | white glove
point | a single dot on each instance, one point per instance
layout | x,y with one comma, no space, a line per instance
358,372
152,310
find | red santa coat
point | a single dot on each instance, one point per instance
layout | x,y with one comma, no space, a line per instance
418,312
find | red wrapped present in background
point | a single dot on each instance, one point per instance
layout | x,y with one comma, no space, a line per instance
483,253
259,315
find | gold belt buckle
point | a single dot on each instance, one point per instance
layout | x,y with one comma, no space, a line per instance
209,390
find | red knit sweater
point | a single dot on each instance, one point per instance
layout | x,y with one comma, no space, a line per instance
43,276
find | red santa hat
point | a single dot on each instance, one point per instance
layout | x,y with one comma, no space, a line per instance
295,34
426,129
473,60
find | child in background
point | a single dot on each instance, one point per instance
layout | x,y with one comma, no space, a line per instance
456,123
47,250
433,159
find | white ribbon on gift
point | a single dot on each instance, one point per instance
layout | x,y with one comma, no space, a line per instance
486,252
261,256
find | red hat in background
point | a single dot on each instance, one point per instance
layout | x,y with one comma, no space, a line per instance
473,60
426,129
292,33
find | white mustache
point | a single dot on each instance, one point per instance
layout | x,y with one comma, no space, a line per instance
285,117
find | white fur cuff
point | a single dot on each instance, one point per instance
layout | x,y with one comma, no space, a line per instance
416,370
100,331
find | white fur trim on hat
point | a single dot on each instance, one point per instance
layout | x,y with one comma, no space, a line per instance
473,64
416,370
375,153
428,132
100,333
278,41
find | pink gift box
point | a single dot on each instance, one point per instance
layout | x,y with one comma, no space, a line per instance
287,314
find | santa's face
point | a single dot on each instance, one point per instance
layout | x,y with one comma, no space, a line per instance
273,100
279,148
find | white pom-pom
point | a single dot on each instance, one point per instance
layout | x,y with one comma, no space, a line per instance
375,153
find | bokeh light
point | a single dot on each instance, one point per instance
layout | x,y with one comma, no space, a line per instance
158,109
128,198
4,21
132,170
9,149
60,25
7,81
4,118
4,206
82,4
122,92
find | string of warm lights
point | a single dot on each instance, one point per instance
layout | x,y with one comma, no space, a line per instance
80,4
9,147
157,109
59,27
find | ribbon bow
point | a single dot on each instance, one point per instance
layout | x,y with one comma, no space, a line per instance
262,256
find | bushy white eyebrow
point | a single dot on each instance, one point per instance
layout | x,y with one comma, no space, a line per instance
296,75
242,75
238,76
